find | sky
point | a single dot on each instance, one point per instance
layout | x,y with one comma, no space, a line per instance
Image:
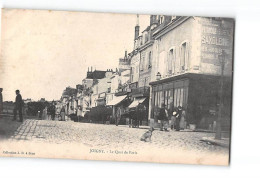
43,52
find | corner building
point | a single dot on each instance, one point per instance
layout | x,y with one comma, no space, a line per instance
189,55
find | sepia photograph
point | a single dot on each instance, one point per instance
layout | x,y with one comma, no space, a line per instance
116,87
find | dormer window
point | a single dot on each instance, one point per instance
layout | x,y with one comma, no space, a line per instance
162,19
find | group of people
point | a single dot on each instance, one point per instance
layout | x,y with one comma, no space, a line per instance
137,114
176,119
48,112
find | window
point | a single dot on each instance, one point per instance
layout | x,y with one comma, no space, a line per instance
162,66
161,19
150,60
184,56
142,62
172,61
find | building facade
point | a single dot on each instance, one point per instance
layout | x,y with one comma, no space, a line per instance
187,60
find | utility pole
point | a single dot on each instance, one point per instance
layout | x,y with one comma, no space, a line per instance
222,66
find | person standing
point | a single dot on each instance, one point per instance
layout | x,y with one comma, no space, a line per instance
1,101
49,112
44,113
62,113
178,118
183,120
53,110
173,118
18,106
163,117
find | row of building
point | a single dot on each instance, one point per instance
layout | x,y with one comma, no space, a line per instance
176,61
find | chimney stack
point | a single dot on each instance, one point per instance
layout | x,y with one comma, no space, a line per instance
137,27
125,54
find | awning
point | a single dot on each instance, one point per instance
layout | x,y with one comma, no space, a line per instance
136,102
116,100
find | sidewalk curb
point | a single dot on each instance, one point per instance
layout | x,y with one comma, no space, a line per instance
224,142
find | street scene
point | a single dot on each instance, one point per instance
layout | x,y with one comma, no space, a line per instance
167,98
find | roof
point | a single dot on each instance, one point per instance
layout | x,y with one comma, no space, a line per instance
97,74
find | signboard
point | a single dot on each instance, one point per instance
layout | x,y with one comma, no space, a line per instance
216,35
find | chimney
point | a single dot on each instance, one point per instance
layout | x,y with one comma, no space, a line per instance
91,68
88,69
125,54
137,27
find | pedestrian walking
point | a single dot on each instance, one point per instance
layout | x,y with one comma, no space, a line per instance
1,101
18,105
163,117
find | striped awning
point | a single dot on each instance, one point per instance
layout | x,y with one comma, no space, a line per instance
136,102
116,100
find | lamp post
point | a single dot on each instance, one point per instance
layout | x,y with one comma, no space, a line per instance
158,76
222,66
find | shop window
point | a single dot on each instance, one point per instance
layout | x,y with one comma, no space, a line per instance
170,97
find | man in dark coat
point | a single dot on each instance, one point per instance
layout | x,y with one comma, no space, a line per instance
163,116
18,106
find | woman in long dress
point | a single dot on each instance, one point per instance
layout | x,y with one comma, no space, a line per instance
182,121
44,114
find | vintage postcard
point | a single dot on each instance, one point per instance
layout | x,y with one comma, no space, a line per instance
121,87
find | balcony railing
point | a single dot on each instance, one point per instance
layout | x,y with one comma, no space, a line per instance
141,91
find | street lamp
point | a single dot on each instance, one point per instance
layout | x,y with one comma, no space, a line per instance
158,76
222,66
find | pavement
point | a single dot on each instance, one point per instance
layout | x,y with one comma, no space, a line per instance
172,146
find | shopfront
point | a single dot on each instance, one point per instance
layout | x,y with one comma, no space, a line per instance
172,94
197,94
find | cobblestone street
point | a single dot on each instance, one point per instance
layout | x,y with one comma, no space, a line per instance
99,136
103,136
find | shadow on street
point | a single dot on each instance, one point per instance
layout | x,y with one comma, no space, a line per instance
8,126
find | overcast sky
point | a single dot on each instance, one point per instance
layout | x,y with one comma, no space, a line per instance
42,52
